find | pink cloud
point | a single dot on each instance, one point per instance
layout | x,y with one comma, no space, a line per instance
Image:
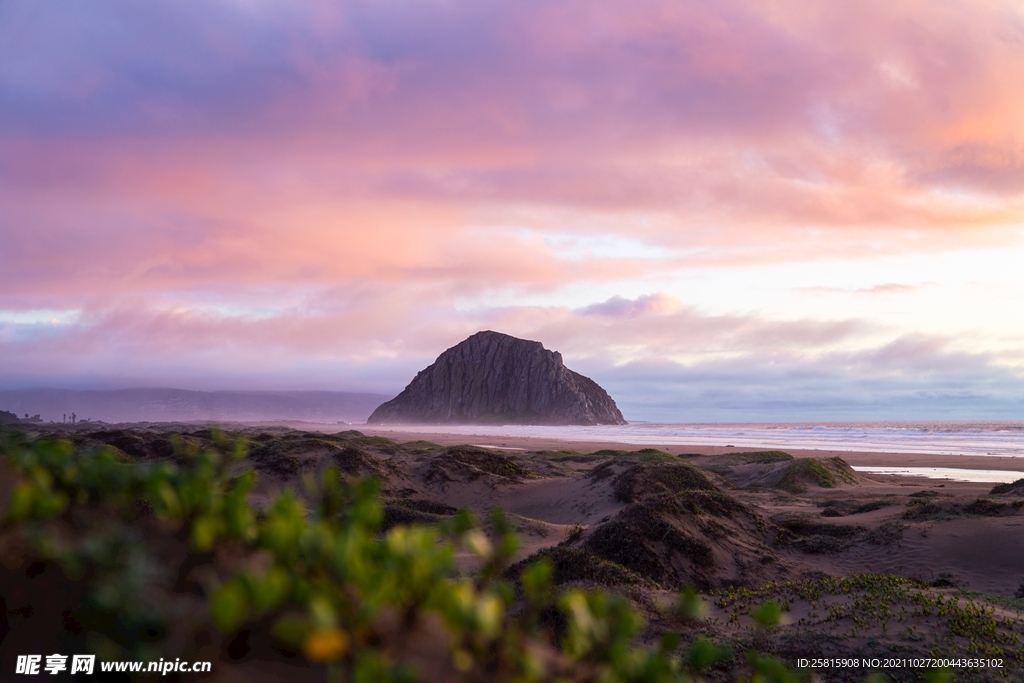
619,307
211,183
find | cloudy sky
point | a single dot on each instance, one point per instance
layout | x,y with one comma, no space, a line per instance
719,210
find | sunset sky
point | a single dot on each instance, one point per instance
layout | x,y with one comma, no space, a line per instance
718,210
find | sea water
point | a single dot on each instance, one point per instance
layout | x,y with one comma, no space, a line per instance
953,473
1004,439
953,438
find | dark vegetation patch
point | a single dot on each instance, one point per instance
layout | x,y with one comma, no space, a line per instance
283,453
574,534
652,455
379,444
651,478
1015,488
471,463
827,473
929,508
434,507
843,508
357,462
420,447
641,456
983,507
294,442
294,455
565,456
354,437
780,470
210,434
752,458
814,537
487,461
603,471
405,511
837,508
887,533
137,444
924,508
947,580
302,443
668,537
571,565
714,503
925,494
609,452
629,542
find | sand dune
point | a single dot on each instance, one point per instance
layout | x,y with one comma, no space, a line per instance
649,522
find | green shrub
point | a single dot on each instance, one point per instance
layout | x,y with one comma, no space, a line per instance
826,473
817,538
143,561
1016,487
646,479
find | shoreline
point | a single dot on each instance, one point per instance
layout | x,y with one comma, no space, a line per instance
854,458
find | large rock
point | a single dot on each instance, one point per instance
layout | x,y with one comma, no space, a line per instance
492,378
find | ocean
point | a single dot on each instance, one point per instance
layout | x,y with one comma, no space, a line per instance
955,438
948,437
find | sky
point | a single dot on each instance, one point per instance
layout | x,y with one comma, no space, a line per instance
719,210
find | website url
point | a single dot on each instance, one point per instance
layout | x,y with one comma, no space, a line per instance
162,667
33,665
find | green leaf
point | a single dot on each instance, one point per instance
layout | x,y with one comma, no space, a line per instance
171,505
669,641
20,506
229,607
691,605
50,505
703,655
536,580
463,521
204,532
269,590
767,614
322,612
290,631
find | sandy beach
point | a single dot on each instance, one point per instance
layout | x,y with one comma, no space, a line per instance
929,548
854,458
646,522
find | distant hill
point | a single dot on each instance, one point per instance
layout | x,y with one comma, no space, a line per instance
494,378
171,405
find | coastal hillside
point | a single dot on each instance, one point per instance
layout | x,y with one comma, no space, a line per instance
173,405
494,378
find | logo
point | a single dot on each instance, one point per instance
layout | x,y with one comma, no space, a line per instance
55,664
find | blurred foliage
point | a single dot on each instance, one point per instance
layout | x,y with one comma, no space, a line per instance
172,559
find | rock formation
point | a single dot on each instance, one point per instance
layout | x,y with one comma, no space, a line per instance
492,378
